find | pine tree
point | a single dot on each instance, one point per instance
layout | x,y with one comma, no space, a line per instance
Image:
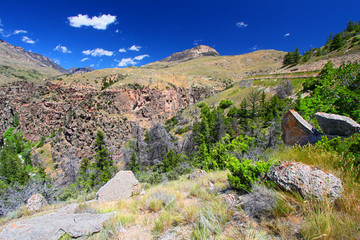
103,165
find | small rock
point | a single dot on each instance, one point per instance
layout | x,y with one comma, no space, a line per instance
122,186
305,180
334,124
35,202
197,174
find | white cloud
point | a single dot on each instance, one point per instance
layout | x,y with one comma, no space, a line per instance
100,22
126,62
62,49
117,31
122,50
134,48
98,52
131,61
20,32
27,40
84,59
57,61
141,57
241,25
287,34
92,65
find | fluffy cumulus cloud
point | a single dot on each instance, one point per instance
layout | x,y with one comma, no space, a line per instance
62,49
134,48
100,22
84,59
98,52
131,61
27,40
126,62
287,34
241,25
122,50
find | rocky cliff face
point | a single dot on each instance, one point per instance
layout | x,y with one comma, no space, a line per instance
76,113
198,51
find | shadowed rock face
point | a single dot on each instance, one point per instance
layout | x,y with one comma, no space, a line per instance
198,51
305,180
334,124
296,130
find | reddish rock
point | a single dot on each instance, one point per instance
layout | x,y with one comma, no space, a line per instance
296,130
36,202
305,180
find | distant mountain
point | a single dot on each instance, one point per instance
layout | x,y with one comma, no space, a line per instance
80,70
18,64
198,51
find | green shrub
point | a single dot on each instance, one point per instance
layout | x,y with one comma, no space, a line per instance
245,173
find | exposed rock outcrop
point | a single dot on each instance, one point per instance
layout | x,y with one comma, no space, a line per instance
305,180
195,52
53,225
36,202
297,130
122,186
334,124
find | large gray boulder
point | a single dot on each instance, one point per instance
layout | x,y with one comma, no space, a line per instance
54,225
334,124
36,202
305,180
122,186
296,130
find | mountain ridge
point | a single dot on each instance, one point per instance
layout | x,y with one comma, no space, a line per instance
188,54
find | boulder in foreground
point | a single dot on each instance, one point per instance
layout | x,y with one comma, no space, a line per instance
305,180
122,186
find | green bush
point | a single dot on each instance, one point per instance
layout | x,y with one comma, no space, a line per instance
245,173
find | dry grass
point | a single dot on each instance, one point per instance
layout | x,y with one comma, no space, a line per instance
323,219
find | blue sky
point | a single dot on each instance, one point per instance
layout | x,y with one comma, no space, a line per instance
121,33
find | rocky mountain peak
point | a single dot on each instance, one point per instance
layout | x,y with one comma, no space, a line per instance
195,52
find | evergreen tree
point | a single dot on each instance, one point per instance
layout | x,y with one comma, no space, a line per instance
103,165
337,42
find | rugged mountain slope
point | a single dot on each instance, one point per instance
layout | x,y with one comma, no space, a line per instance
195,52
75,106
80,70
18,64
